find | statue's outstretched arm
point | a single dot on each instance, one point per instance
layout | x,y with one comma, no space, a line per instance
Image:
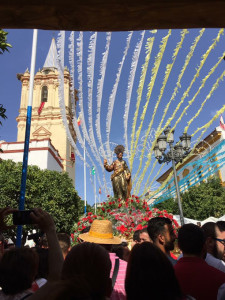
108,168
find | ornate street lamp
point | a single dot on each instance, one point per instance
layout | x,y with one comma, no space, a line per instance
175,154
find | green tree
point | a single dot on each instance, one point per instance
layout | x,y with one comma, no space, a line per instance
200,201
3,42
50,190
170,205
204,200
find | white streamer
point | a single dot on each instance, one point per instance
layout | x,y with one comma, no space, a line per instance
100,89
113,95
134,63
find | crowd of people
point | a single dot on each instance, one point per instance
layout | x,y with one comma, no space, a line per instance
102,266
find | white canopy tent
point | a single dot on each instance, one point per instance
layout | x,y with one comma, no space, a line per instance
209,219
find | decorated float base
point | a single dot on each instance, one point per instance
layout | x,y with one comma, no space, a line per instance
126,216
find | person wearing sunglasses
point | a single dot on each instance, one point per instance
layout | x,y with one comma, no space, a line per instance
215,244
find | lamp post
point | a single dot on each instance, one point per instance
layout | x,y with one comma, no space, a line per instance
175,154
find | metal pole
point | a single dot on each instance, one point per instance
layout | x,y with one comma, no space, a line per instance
85,196
95,191
177,186
27,136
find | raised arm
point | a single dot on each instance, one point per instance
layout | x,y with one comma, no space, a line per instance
47,225
108,168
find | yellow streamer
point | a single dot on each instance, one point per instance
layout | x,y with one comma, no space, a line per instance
149,46
215,86
185,94
149,188
178,85
155,69
167,73
196,94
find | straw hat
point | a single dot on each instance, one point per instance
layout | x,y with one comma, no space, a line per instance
100,233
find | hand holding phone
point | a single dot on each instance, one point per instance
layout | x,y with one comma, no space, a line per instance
22,217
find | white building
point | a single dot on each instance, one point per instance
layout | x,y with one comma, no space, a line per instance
41,153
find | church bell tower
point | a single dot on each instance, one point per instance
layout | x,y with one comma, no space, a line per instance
46,120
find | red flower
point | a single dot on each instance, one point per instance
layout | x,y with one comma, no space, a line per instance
139,227
90,213
119,205
108,196
122,228
110,203
108,210
103,209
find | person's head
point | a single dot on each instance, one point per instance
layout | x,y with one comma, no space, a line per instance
64,242
136,237
161,232
101,232
215,236
119,151
121,251
144,236
191,240
150,275
91,263
18,268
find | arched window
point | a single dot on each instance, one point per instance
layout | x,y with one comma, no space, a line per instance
44,94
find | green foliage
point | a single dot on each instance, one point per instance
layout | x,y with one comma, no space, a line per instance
50,190
204,200
170,205
200,201
3,42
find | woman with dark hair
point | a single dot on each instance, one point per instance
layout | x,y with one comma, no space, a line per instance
91,263
150,275
18,268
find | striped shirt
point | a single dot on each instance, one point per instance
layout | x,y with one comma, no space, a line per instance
118,292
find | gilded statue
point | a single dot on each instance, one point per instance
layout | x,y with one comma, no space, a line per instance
121,177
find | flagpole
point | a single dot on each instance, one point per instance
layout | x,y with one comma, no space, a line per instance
95,191
27,136
85,200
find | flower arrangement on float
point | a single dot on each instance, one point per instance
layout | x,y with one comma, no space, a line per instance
126,216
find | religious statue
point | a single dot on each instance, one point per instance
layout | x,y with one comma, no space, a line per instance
121,178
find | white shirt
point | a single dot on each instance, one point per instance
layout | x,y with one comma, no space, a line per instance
215,262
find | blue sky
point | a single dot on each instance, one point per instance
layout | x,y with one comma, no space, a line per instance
18,60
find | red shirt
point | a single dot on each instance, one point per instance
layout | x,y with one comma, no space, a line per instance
198,279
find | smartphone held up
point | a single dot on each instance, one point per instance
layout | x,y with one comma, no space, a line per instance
22,217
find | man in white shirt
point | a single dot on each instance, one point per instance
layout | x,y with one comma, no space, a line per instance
215,244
